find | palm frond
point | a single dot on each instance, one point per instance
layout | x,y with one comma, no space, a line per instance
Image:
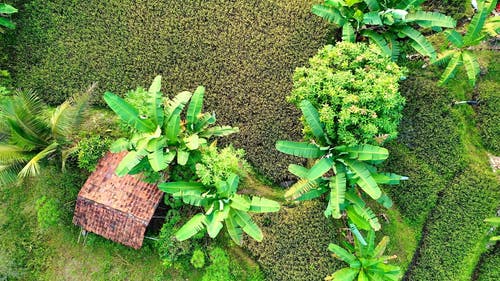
32,168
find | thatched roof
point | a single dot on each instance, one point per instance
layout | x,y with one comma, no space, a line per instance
117,208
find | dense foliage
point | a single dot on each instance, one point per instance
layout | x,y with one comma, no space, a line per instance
454,232
29,135
384,23
489,269
355,89
366,261
340,171
90,150
121,43
479,29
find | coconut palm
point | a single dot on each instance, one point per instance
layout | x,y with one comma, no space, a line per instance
31,133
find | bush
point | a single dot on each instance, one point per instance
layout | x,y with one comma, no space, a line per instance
455,232
488,115
429,129
296,243
217,165
124,43
218,270
198,259
169,248
90,150
355,89
48,213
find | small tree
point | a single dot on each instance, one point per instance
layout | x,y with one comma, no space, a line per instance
158,134
384,23
461,52
366,261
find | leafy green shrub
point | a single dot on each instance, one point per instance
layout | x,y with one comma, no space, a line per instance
455,231
488,115
90,150
48,213
355,89
190,43
384,23
429,127
219,267
217,165
296,239
198,258
341,172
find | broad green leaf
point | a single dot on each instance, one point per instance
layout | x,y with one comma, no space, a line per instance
471,66
348,33
195,106
129,162
328,13
380,249
193,226
385,201
378,40
357,218
156,85
454,37
176,105
298,170
344,274
372,18
179,186
388,178
409,4
182,157
313,193
320,168
365,181
477,23
263,205
190,197
173,128
7,9
449,72
357,234
342,254
7,23
337,193
119,145
419,42
312,118
301,149
192,142
299,188
155,102
157,160
214,221
247,224
234,230
444,57
368,215
372,5
493,221
205,120
364,152
433,18
128,113
240,202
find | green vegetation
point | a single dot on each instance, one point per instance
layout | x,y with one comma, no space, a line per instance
487,113
384,23
29,135
366,261
355,89
489,269
6,10
90,150
351,165
198,259
476,33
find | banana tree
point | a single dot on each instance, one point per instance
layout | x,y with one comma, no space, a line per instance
460,53
160,136
341,172
366,261
384,23
221,204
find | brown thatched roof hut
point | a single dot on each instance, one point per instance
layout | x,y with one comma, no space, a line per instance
117,208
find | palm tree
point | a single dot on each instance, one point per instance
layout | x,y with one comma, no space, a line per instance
30,133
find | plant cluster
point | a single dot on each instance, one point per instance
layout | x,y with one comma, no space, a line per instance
91,150
384,23
480,28
29,134
339,172
158,134
355,90
48,212
366,261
